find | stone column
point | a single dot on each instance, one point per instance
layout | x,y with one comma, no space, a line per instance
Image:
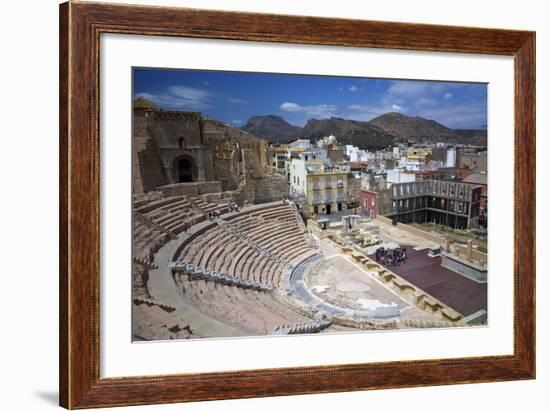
457,251
469,250
345,222
446,243
199,163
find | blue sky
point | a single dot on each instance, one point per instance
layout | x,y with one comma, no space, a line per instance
234,97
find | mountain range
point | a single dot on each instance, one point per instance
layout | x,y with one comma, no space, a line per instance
375,134
272,128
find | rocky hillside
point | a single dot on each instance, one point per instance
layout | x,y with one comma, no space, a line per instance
272,128
357,133
421,129
374,134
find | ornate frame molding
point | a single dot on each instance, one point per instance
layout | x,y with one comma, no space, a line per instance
80,27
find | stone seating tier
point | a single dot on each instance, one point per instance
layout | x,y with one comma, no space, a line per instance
251,311
151,322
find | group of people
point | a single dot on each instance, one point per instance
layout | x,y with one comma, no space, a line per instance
391,257
217,213
214,214
234,207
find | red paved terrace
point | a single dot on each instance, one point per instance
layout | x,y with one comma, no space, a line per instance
458,292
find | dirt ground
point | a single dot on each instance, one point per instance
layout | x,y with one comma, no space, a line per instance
462,237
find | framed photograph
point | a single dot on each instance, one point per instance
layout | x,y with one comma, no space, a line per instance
259,205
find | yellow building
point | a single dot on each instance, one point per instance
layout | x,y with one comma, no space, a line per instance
419,154
330,192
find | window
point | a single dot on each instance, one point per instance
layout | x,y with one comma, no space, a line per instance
181,142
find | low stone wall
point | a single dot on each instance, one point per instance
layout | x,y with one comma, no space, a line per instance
436,238
350,321
463,268
476,254
383,219
477,318
190,189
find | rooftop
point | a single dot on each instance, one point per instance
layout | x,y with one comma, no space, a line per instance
476,179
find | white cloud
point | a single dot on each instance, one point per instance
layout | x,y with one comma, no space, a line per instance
353,88
321,110
237,100
464,115
425,102
447,95
414,89
236,122
168,100
189,93
189,98
366,112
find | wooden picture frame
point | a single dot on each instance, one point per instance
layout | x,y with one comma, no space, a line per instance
80,27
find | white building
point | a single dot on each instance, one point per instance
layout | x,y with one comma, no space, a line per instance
451,157
298,170
300,143
326,141
398,175
312,154
356,155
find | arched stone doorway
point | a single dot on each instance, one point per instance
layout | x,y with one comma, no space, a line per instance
184,170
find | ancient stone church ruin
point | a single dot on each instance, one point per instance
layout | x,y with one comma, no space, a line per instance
172,149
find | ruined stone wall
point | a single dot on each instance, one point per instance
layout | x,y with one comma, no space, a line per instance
236,160
245,140
176,129
160,140
190,189
272,188
147,169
